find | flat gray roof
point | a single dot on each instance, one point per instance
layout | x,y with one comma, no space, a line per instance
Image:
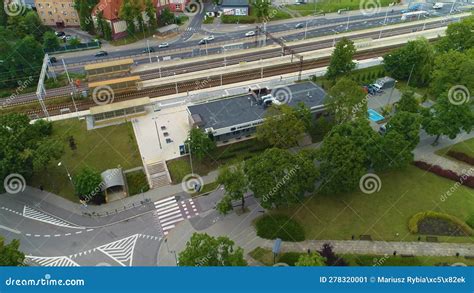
247,108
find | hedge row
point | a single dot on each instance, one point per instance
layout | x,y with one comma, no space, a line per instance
461,157
238,19
462,179
414,221
279,226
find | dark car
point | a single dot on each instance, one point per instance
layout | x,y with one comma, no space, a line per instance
101,54
299,25
203,41
60,34
148,50
53,59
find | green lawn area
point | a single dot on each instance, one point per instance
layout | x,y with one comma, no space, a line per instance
265,256
466,147
101,149
206,188
138,35
328,6
385,213
235,152
137,182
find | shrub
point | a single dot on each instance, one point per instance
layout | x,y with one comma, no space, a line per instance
461,157
239,19
137,182
279,226
290,258
415,220
463,179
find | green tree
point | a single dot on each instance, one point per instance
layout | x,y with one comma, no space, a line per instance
280,178
313,259
395,152
101,23
199,144
74,42
262,7
451,69
346,101
345,155
447,118
408,125
166,17
205,250
282,127
235,183
107,31
408,102
87,183
341,59
413,62
127,13
33,26
459,36
3,14
50,41
151,14
10,255
25,148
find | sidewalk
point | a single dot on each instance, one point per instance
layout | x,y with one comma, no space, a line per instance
241,231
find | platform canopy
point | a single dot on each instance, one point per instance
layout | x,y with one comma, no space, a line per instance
111,178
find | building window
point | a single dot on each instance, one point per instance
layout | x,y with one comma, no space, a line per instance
50,13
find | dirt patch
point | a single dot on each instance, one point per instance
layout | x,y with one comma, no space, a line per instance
441,227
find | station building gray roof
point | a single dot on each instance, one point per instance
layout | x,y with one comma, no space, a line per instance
247,108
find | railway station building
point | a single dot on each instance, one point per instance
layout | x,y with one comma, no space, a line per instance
236,118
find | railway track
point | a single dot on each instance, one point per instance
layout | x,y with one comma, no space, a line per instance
207,82
58,93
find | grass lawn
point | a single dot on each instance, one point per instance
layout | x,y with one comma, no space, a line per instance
235,152
137,182
265,256
328,6
466,147
101,149
138,35
206,188
385,213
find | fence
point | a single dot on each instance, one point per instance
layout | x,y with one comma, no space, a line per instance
69,48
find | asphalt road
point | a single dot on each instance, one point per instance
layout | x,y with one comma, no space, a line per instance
331,26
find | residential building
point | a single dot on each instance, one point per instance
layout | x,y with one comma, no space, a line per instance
236,118
235,7
59,13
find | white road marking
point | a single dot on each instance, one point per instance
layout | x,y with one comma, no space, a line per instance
33,214
10,229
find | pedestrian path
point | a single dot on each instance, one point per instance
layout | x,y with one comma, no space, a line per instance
45,218
169,212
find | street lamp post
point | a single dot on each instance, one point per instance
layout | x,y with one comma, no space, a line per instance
67,171
348,19
149,53
306,29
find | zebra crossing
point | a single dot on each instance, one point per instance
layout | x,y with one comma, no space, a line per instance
169,212
33,214
54,261
121,250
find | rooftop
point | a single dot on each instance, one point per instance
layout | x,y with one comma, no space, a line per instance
247,108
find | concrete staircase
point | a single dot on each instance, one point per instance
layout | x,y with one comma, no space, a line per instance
158,175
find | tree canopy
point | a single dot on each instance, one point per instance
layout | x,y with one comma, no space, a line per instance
347,101
235,184
341,59
408,102
87,184
280,178
205,250
199,143
313,259
10,255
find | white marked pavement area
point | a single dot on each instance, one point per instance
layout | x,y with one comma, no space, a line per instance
45,218
120,252
169,212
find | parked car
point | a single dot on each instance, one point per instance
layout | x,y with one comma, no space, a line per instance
101,54
148,50
299,25
203,41
209,38
59,34
53,59
163,45
250,34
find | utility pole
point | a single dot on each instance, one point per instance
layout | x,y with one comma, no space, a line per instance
149,53
305,29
